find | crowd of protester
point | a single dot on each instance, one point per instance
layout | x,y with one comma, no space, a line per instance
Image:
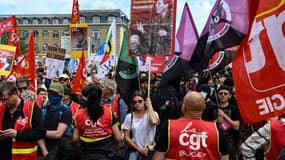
99,124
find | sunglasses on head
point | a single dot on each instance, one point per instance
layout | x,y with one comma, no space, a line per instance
137,102
63,79
22,88
223,93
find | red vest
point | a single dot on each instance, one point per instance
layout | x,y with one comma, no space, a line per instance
74,107
115,108
93,132
22,150
277,141
193,139
39,101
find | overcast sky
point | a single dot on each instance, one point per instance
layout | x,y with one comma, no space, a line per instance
199,8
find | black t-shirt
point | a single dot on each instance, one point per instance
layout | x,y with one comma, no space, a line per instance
208,112
162,144
52,119
233,112
211,113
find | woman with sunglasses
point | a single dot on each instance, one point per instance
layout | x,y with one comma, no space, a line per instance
95,127
140,126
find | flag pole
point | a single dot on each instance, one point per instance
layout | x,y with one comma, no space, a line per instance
215,90
116,64
148,83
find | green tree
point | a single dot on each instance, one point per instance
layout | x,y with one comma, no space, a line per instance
23,44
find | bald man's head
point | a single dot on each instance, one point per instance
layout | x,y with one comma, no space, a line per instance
193,103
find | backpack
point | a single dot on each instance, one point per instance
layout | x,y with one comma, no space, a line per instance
63,107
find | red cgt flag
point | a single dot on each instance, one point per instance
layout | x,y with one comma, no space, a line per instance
7,25
14,39
10,25
26,66
80,78
75,15
259,65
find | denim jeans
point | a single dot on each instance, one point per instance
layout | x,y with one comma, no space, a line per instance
133,155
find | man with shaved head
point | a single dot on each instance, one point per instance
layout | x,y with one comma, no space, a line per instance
190,137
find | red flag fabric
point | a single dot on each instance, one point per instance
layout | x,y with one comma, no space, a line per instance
259,65
75,15
14,39
80,78
157,64
26,66
7,25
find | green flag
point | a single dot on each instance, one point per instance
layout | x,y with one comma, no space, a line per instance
127,71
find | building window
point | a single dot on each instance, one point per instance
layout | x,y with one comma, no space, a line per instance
95,40
55,45
45,47
25,21
95,35
111,18
25,33
45,34
95,19
65,21
36,34
66,33
55,21
35,21
82,19
95,48
45,21
36,47
55,34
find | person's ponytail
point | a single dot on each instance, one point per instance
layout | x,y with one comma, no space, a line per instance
94,108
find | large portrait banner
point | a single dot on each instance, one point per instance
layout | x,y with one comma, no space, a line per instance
152,29
78,39
6,59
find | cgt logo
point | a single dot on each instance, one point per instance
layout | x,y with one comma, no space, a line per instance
190,137
264,57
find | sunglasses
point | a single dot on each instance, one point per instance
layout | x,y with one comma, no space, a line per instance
137,102
223,93
63,79
22,88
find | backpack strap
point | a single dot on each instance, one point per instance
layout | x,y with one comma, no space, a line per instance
69,129
44,112
62,109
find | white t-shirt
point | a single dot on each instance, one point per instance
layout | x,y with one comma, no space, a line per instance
139,130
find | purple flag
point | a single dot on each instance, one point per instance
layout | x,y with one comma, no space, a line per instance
226,26
178,66
187,35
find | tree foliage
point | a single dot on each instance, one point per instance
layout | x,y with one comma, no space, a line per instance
23,44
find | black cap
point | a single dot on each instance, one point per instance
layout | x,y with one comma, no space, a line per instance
224,87
67,90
